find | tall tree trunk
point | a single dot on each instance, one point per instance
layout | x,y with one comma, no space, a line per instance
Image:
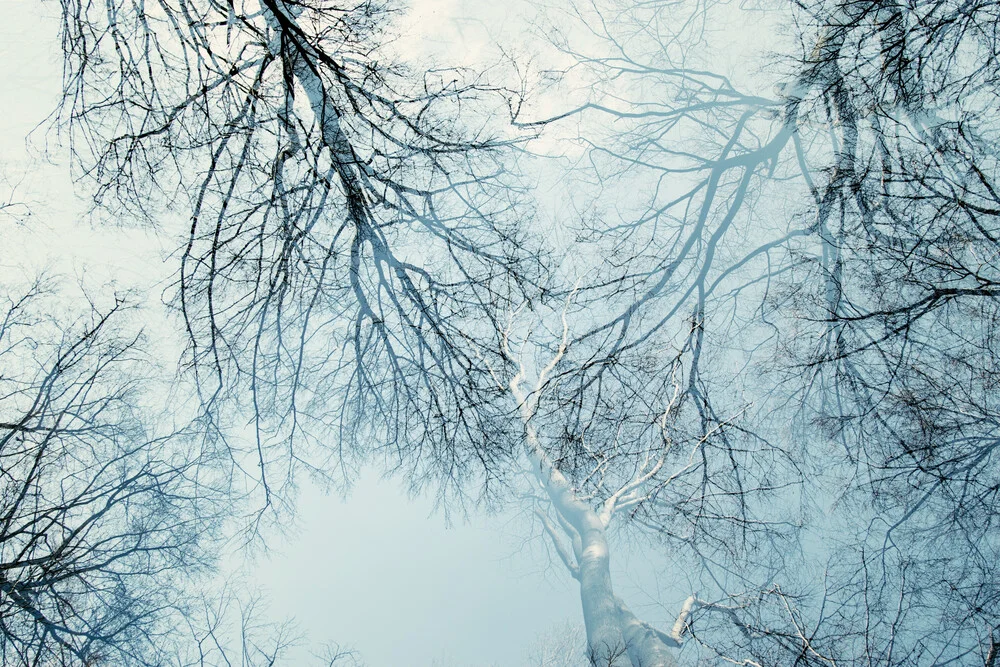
615,637
605,642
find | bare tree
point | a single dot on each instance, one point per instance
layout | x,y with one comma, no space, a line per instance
787,294
628,452
877,287
907,346
230,627
102,517
351,225
301,283
111,522
632,415
558,646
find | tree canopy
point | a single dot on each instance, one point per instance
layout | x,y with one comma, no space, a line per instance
741,309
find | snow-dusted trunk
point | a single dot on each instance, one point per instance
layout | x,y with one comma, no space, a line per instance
615,637
605,641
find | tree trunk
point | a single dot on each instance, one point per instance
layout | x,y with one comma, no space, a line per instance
606,645
615,637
